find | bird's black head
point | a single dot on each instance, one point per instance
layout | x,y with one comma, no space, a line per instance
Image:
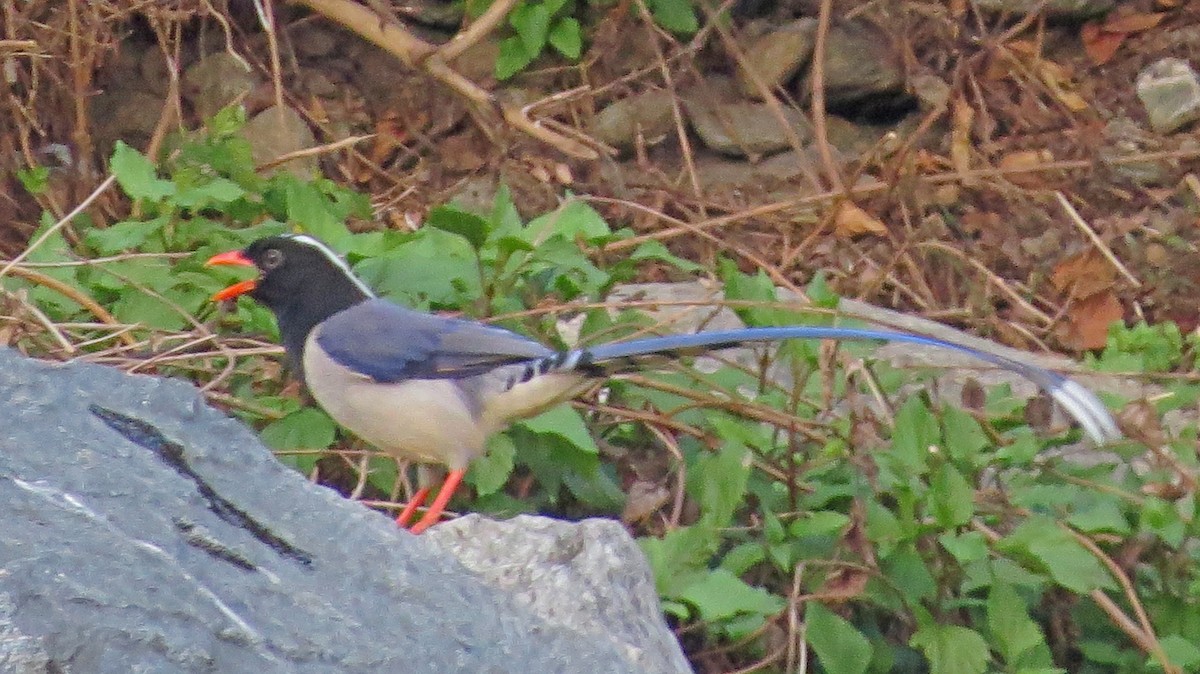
301,280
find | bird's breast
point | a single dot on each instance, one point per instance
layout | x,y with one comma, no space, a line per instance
423,420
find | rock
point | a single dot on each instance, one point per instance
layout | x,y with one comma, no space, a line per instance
744,129
314,40
588,577
1170,90
215,82
649,114
478,61
1124,138
719,174
777,56
1059,9
859,64
121,114
931,91
476,194
277,131
145,531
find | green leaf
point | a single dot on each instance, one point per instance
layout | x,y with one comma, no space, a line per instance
952,649
306,428
819,523
1101,516
1022,449
907,572
1069,563
840,647
123,235
677,16
574,219
952,497
34,179
1181,651
719,594
679,558
219,191
1010,624
719,480
820,293
655,250
489,472
308,207
147,310
463,223
963,437
136,175
434,267
512,58
532,23
566,37
966,547
565,422
916,432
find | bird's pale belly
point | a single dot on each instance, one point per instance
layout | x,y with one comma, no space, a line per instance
420,420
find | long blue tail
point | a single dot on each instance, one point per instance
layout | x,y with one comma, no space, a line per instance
1077,400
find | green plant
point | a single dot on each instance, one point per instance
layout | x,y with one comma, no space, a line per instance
538,24
1147,348
902,534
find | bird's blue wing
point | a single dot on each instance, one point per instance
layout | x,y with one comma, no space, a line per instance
389,343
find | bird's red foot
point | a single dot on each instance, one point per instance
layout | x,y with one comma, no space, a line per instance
434,513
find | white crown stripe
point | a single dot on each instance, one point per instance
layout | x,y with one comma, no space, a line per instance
333,257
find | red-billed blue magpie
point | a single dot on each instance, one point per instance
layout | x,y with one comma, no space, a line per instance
431,389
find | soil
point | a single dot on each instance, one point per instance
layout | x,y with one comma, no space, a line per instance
966,194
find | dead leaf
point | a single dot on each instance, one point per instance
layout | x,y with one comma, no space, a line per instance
852,221
1099,44
844,585
1083,275
960,135
1088,320
978,222
1022,167
1133,23
1101,40
644,499
1058,81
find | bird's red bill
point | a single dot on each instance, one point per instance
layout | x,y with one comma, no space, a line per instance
239,288
234,258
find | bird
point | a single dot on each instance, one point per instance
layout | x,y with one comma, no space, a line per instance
431,389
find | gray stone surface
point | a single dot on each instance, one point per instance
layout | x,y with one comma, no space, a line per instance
147,532
588,577
1170,90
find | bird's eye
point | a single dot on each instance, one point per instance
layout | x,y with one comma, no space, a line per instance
271,259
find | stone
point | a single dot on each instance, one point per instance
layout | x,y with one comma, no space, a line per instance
1170,91
1058,9
777,56
859,63
649,114
745,129
278,131
314,40
588,577
145,531
216,81
121,114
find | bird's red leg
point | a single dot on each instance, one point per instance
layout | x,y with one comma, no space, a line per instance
411,507
439,504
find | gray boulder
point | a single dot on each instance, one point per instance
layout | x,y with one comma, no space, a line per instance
145,531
